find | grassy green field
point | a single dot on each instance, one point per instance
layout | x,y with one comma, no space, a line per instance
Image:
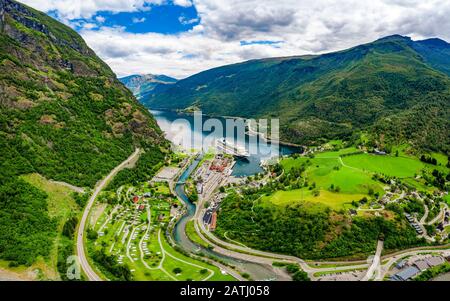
441,158
400,167
352,171
447,198
334,200
192,234
326,169
61,206
60,200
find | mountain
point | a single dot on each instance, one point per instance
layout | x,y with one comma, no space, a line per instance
63,115
394,85
143,85
63,111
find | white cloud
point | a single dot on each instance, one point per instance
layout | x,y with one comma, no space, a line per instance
100,19
139,20
184,3
183,20
89,26
73,9
307,26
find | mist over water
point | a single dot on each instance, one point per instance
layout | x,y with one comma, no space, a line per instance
182,131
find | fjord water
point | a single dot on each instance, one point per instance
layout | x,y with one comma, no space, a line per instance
180,129
185,131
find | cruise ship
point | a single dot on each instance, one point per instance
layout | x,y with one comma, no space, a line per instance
229,148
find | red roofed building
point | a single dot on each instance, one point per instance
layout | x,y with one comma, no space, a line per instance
135,199
212,226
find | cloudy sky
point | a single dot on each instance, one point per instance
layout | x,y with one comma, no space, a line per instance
182,37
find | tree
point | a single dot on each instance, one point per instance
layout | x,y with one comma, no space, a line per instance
177,270
92,234
300,276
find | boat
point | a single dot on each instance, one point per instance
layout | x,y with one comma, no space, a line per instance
225,146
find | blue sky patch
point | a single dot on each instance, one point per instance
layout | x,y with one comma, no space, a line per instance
165,19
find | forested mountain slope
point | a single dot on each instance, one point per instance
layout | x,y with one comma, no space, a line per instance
383,85
63,112
64,115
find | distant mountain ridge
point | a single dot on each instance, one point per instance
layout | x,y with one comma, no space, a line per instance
142,85
319,97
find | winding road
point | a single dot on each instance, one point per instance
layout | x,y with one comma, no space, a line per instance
84,263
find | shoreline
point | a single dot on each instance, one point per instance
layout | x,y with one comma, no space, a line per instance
248,133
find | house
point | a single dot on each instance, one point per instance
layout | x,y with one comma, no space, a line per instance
401,264
135,199
434,261
405,274
378,152
422,265
207,217
141,207
213,224
200,188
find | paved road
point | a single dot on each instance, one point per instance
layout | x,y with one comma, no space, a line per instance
375,267
84,263
425,215
440,216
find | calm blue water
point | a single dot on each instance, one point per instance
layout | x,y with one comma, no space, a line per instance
181,130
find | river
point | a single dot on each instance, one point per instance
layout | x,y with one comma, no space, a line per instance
181,131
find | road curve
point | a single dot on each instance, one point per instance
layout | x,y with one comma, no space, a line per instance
84,263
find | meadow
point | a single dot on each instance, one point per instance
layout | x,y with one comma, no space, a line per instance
333,200
401,167
337,184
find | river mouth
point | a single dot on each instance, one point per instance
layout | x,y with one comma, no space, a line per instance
186,132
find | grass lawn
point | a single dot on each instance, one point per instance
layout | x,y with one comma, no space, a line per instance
326,169
192,234
336,201
441,158
191,271
60,201
447,198
336,154
401,167
418,184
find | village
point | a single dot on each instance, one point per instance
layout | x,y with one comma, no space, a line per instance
131,227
